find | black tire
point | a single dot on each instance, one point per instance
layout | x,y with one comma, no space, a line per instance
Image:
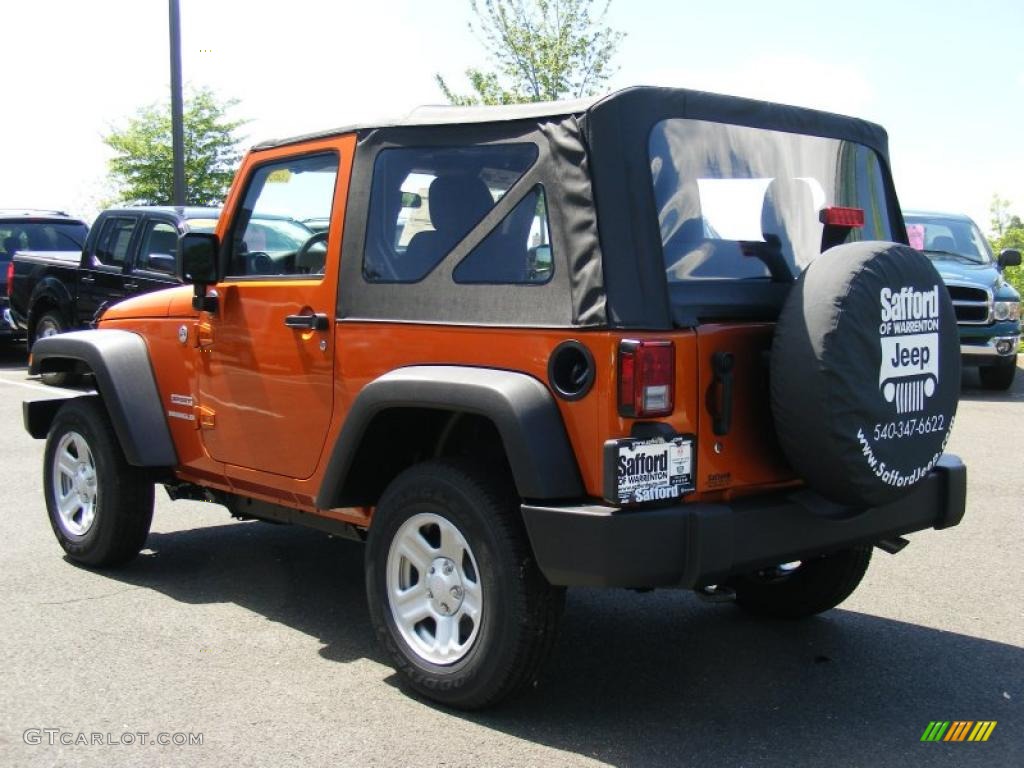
999,376
865,372
50,324
511,635
814,586
120,497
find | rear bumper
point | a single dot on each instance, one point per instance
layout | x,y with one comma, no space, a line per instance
689,545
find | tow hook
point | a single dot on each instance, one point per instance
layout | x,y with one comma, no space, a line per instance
892,546
716,593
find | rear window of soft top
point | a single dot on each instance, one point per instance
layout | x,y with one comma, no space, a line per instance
741,203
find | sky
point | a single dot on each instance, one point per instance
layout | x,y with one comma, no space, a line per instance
946,79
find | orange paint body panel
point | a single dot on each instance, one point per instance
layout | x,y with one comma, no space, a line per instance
366,351
749,454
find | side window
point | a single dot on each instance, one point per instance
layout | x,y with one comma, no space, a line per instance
159,248
11,240
425,200
268,236
114,239
517,251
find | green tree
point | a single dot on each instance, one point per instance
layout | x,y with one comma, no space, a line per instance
142,168
539,50
1012,237
999,210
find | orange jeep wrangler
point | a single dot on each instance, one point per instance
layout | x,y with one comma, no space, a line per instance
659,339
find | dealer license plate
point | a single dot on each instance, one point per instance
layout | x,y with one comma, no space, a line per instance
654,470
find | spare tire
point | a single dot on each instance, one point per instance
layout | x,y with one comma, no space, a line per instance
865,372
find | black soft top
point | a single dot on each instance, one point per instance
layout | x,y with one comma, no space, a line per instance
636,107
617,130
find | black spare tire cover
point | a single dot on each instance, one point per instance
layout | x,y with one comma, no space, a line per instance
865,372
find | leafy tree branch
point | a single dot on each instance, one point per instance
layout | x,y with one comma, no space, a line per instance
538,50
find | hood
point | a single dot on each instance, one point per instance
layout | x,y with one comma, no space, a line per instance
170,302
980,275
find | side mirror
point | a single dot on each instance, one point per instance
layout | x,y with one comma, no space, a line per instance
1009,257
198,265
539,263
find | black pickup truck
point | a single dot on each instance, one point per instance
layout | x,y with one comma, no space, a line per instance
128,251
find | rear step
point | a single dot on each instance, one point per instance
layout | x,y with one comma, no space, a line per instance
892,546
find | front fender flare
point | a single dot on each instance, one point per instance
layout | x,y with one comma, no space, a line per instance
124,378
521,408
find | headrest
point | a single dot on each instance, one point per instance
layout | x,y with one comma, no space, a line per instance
458,202
787,201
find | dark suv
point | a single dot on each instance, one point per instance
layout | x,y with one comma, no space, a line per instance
32,230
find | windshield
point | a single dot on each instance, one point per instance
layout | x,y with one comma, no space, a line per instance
201,225
268,234
948,238
740,203
41,236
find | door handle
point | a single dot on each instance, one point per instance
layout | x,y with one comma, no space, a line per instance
131,286
313,322
87,279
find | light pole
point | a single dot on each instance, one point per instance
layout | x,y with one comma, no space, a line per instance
177,130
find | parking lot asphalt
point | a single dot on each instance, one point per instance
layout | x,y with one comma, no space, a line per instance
256,636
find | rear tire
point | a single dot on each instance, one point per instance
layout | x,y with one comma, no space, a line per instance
447,529
999,376
100,507
811,587
51,324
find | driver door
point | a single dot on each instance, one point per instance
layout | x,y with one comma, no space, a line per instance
266,389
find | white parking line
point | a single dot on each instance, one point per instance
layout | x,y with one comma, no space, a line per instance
56,391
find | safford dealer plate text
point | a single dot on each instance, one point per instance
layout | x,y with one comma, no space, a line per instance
654,470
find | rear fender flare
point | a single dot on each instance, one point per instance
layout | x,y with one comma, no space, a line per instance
119,360
521,407
49,291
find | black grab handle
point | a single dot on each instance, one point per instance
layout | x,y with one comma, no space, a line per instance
721,392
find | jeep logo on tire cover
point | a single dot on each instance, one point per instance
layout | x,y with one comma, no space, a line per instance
909,370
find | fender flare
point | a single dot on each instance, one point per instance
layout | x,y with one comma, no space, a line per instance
124,378
521,408
50,288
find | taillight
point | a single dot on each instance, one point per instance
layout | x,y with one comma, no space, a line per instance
837,216
647,379
10,277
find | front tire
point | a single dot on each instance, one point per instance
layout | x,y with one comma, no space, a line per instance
455,596
798,590
100,507
999,376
